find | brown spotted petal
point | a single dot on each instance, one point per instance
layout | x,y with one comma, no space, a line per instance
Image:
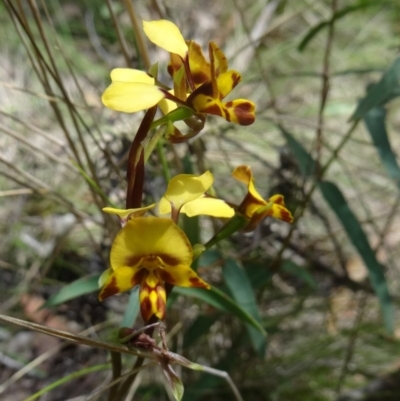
239,111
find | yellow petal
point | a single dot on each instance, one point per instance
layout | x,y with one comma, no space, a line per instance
239,111
244,174
166,35
218,59
182,276
146,236
209,207
184,188
227,81
120,280
199,66
164,206
131,75
123,214
131,97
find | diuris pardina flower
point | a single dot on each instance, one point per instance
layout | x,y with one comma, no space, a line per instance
254,207
150,251
201,86
186,194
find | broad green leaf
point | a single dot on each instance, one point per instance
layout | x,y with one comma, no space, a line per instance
132,309
258,273
355,232
375,122
82,286
241,290
221,301
306,163
339,14
381,92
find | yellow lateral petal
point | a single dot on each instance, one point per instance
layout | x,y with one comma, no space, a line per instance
184,188
122,279
131,97
182,276
166,35
131,75
227,81
209,207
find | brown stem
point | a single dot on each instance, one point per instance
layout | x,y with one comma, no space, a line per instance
135,169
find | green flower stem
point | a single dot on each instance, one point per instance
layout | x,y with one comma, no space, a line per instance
236,223
164,163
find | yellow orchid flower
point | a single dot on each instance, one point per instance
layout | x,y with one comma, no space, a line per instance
209,83
254,207
186,194
150,251
208,97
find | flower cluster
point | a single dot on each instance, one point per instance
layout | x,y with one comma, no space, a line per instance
153,252
199,86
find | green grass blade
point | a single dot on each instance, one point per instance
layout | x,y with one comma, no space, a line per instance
242,291
317,28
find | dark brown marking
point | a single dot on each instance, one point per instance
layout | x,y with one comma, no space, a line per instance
132,260
196,282
109,290
167,277
145,309
139,277
214,109
168,259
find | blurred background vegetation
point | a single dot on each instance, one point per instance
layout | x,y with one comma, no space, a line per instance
321,285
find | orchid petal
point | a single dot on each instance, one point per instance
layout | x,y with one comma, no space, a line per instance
130,97
123,214
227,81
131,75
120,280
143,236
182,276
209,207
184,188
199,66
166,35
